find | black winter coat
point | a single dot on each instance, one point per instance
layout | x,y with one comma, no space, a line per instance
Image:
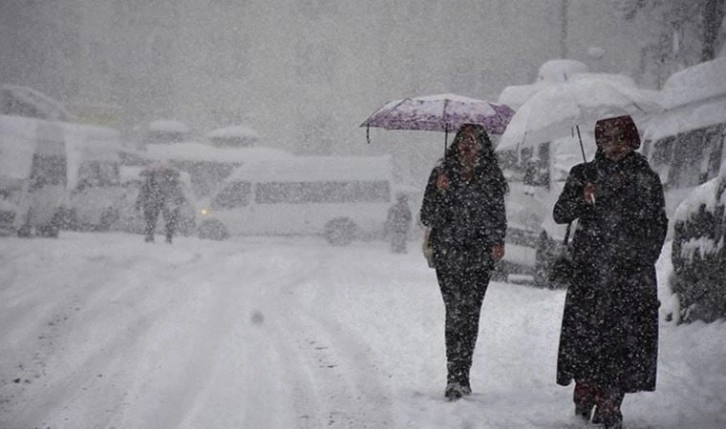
609,334
467,218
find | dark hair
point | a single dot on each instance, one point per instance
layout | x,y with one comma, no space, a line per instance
625,123
488,163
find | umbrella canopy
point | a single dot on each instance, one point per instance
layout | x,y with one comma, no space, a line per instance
442,112
558,110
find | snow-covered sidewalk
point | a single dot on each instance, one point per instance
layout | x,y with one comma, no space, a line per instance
103,330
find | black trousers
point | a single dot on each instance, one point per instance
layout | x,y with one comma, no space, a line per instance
151,214
463,291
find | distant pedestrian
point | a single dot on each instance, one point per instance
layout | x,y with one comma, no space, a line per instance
609,337
160,193
398,223
463,209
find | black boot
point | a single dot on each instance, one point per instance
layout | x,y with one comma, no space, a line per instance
584,397
454,391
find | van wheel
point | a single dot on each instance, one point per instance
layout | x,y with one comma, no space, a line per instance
24,231
212,230
108,217
340,231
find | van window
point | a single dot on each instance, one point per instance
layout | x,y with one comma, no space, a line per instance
687,159
662,150
322,192
714,140
98,174
47,170
236,194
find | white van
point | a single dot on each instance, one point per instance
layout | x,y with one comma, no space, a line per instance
685,143
209,165
33,175
341,198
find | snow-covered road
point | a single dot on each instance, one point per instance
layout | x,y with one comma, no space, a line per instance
105,331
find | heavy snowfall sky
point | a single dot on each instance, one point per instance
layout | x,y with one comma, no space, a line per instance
304,73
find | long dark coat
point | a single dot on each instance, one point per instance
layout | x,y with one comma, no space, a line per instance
609,334
467,218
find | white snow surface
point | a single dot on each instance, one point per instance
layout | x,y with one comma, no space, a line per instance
105,331
194,151
316,169
234,131
698,82
169,125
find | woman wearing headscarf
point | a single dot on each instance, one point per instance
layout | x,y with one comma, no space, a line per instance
463,207
609,337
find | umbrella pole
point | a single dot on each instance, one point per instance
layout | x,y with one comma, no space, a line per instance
368,133
446,137
582,147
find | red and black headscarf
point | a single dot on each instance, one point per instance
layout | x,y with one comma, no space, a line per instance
625,123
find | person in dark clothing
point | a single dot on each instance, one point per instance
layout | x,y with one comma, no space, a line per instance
398,222
463,208
609,336
160,193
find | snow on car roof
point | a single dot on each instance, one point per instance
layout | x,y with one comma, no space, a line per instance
168,125
193,151
316,168
234,131
702,195
685,118
695,83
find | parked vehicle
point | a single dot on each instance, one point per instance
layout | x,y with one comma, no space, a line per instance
533,192
340,198
54,173
93,177
699,255
33,176
209,165
685,143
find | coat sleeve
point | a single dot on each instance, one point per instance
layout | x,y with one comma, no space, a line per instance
571,204
430,207
653,225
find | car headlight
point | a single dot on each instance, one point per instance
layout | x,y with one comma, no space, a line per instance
204,211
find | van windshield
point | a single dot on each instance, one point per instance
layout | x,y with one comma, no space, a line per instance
100,174
236,194
323,192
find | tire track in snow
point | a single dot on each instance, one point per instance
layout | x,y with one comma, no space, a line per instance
151,311
340,378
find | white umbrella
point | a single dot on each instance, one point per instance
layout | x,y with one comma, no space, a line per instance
559,110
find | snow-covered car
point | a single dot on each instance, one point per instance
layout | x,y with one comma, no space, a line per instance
699,253
132,220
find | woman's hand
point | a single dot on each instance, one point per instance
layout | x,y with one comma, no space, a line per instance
442,182
588,192
497,252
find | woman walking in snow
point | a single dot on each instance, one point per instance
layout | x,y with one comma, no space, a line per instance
609,337
463,207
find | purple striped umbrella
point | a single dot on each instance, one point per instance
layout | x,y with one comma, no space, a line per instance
443,112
